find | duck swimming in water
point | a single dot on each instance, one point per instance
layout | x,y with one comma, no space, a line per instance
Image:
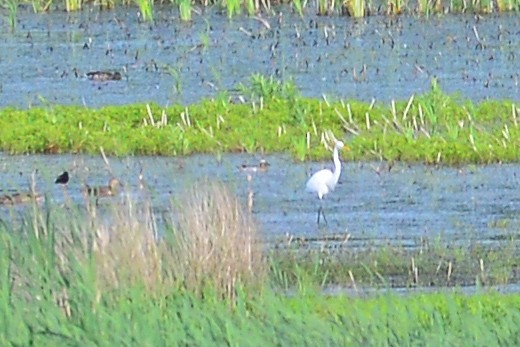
20,198
262,166
103,76
104,191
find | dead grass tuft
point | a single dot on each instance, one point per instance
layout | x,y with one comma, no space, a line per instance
216,242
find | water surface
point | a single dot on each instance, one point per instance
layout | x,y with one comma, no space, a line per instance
403,205
378,57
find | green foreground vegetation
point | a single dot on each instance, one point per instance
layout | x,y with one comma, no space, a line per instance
102,276
270,116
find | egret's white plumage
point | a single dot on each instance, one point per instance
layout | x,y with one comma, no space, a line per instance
324,181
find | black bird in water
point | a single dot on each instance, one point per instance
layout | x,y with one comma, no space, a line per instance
63,178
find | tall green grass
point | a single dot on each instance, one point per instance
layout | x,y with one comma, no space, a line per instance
298,5
355,8
107,4
40,6
102,275
251,6
395,7
508,5
425,7
146,9
73,5
184,9
233,8
12,11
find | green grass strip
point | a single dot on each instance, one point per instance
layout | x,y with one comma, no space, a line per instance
271,116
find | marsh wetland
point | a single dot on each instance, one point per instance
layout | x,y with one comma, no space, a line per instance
201,244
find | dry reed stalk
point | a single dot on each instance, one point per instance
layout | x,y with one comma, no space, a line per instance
217,242
126,250
122,244
215,247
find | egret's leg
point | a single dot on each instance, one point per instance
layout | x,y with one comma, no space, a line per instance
320,211
323,214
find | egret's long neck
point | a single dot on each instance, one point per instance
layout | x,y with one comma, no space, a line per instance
337,165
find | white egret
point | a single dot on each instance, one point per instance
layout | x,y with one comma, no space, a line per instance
324,181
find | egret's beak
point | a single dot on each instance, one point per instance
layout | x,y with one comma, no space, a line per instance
346,148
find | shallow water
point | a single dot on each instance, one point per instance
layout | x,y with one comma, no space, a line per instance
374,205
468,290
46,59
